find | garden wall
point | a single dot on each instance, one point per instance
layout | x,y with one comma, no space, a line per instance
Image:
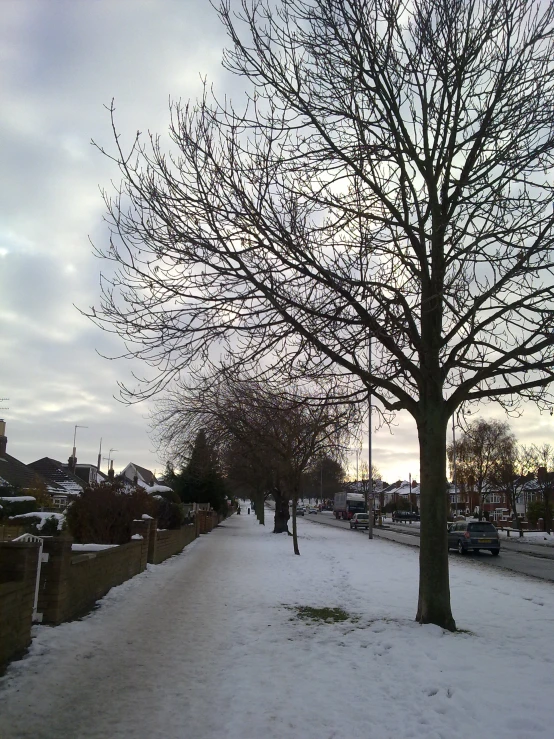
72,582
167,543
18,568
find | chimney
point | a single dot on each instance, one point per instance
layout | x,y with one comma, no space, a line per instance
111,473
72,462
3,437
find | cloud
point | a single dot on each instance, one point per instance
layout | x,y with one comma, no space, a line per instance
62,62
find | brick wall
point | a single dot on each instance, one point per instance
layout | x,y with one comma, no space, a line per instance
171,542
92,575
18,568
206,521
70,583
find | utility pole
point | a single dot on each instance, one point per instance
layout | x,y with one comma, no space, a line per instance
454,464
321,480
370,474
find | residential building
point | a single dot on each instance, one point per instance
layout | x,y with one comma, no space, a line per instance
138,475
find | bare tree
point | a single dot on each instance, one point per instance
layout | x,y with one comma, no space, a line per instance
516,467
387,183
280,432
543,461
323,478
480,453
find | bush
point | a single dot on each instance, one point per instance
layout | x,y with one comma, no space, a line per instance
104,514
537,509
15,507
170,512
38,526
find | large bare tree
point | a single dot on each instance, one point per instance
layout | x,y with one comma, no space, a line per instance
388,183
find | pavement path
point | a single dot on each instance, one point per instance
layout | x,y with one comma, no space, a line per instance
156,641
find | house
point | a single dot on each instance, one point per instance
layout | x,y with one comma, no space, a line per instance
137,475
14,475
402,490
61,483
89,473
493,501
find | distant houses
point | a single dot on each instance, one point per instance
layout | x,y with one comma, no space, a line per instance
62,480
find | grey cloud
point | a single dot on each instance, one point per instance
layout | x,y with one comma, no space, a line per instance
61,61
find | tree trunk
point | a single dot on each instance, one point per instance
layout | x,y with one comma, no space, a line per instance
434,588
294,530
260,508
282,514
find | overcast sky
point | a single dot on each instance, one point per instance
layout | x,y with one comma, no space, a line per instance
61,62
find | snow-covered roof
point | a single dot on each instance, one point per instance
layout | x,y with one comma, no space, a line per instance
18,498
59,479
143,475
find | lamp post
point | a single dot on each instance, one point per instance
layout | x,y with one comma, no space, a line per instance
370,474
321,480
454,464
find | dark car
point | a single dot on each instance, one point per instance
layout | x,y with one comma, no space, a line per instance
466,536
403,516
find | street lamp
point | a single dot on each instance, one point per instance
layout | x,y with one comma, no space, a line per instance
370,473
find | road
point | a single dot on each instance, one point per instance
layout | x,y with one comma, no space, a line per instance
535,562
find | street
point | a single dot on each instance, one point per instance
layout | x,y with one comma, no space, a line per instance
536,561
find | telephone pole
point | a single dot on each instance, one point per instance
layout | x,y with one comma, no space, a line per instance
370,474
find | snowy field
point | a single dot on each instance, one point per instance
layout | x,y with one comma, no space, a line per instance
209,645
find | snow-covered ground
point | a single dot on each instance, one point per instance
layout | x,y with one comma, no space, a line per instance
530,537
209,645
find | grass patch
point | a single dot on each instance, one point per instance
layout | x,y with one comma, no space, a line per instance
327,615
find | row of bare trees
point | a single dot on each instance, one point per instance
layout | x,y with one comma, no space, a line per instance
378,212
267,438
487,459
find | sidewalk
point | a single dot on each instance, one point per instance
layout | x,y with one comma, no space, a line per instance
210,645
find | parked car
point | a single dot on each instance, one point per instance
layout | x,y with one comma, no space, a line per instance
466,536
359,520
403,516
300,510
312,510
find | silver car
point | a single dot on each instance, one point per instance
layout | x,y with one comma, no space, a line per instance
359,520
466,536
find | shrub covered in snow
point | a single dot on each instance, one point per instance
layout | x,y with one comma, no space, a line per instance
104,513
41,523
13,505
170,512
